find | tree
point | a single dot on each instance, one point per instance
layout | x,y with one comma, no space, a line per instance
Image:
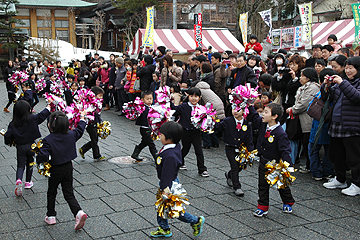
10,39
99,27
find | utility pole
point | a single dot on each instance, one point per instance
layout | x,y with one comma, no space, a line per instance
174,14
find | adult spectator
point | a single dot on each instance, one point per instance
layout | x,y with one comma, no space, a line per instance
17,64
170,73
144,73
161,51
120,75
169,52
265,83
96,57
344,51
344,127
192,69
319,65
23,64
326,52
8,72
219,75
278,63
242,74
58,65
103,79
209,54
45,71
316,54
198,51
338,64
206,75
112,60
309,87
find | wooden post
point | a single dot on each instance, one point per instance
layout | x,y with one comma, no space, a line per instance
33,23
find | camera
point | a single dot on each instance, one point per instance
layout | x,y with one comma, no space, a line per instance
330,79
284,70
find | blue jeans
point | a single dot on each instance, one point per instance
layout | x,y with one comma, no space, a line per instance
294,144
186,217
209,139
320,168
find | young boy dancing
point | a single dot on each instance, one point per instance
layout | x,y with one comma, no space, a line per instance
272,143
168,163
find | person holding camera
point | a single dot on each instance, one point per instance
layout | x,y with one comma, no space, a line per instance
103,77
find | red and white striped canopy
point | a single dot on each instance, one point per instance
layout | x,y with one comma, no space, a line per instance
182,41
343,29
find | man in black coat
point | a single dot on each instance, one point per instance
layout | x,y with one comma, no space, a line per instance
242,74
144,73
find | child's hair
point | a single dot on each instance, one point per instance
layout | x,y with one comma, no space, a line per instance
194,91
26,84
172,130
74,83
266,79
71,76
21,113
268,94
276,109
81,79
97,90
176,87
157,73
58,122
145,93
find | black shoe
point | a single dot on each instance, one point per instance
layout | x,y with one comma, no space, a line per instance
135,154
228,180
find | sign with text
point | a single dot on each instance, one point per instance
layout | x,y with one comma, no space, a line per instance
198,29
287,37
149,33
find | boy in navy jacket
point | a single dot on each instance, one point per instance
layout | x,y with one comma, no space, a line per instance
168,163
145,130
236,131
272,143
28,93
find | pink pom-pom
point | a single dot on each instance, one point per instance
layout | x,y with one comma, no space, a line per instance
134,109
204,117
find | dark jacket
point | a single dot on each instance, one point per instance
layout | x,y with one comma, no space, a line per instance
350,103
145,76
8,72
167,166
120,74
142,120
28,96
28,132
209,78
184,112
279,148
69,97
61,147
234,137
247,76
24,65
112,78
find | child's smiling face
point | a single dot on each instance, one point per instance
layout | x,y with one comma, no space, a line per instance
194,99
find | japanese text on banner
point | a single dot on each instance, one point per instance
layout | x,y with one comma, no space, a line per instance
198,29
149,33
306,20
356,11
243,22
266,16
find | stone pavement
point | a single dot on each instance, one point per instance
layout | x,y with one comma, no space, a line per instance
119,199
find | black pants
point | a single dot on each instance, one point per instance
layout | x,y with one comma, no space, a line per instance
36,100
263,202
193,137
305,144
235,169
24,157
146,140
345,152
11,97
93,143
61,174
122,98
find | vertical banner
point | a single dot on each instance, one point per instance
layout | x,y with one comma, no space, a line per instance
266,16
198,29
243,23
287,37
276,39
148,40
356,11
297,38
306,20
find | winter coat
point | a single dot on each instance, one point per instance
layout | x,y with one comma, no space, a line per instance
145,76
247,76
8,72
350,103
256,46
303,96
103,75
209,96
175,77
220,79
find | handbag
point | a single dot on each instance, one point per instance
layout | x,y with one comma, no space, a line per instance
315,110
127,86
293,128
136,86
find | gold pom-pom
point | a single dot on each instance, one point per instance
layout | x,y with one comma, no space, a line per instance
104,129
246,158
35,147
278,175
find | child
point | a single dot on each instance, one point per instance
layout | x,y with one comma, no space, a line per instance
175,94
61,145
23,130
236,131
69,94
254,45
76,74
82,83
167,167
272,143
155,85
33,79
145,130
265,99
28,93
70,79
52,79
333,41
92,130
191,135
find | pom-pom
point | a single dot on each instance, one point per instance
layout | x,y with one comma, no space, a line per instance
157,116
59,74
278,175
18,77
171,203
162,95
134,109
57,89
241,96
204,117
104,129
58,104
246,158
40,84
35,147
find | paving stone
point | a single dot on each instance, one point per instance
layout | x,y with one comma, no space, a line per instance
33,217
35,200
114,188
129,172
213,187
332,231
302,233
207,233
101,226
327,208
91,192
309,214
349,223
129,221
11,222
209,206
13,204
34,233
87,179
232,201
270,235
145,198
131,236
109,175
148,213
95,207
121,202
137,184
286,219
66,231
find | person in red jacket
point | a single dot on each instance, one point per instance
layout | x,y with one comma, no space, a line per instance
254,45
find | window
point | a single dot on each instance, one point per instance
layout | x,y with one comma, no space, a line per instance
61,24
222,9
110,39
43,23
62,35
26,21
44,34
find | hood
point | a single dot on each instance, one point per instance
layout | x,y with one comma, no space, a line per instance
202,85
151,67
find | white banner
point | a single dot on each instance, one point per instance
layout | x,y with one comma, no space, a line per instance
266,16
306,20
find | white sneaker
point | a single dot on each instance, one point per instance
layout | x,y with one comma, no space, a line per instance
353,190
333,183
80,219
